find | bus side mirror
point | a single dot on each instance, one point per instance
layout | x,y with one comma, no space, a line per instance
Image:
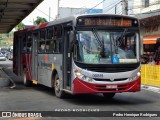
72,40
71,36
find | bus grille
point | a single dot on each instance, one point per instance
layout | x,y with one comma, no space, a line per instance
108,68
122,79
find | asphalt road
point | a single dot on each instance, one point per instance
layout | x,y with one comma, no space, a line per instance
41,98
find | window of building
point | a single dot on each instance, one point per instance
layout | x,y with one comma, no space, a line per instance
146,3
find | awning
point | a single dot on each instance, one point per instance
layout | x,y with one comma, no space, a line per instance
12,12
150,39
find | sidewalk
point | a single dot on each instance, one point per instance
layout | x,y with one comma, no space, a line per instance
5,80
151,88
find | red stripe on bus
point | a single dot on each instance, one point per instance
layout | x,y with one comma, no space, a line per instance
43,25
85,87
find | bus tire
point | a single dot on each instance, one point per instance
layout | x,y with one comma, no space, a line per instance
109,95
58,92
26,82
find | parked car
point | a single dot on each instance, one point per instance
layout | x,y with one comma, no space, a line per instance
9,55
2,57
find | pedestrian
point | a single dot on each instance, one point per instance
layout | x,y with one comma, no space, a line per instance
157,56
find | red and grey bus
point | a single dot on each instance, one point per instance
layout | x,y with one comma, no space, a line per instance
83,54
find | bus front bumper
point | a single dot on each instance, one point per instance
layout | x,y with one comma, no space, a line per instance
82,87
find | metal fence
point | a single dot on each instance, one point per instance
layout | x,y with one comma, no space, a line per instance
150,74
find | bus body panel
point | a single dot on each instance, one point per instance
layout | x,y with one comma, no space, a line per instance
46,64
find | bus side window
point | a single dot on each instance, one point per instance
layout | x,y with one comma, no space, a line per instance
24,45
41,48
54,46
57,39
41,42
49,46
29,43
49,40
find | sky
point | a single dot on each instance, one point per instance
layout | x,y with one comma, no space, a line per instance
43,9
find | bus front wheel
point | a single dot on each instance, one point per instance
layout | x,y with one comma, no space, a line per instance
26,82
108,95
58,92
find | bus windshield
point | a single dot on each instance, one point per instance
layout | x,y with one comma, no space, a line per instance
107,47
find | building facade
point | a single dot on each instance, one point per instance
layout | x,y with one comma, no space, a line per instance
66,11
148,12
117,6
144,6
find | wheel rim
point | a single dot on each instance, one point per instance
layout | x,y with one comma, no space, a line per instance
57,85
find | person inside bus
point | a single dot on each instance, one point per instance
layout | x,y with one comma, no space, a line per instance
157,56
129,49
42,48
47,48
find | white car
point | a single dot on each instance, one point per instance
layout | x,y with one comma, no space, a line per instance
2,57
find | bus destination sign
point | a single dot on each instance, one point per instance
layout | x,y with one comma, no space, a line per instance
103,21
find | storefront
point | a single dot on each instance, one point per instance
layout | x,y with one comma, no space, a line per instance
150,34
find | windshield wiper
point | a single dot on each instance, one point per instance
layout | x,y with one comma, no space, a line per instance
100,42
122,36
118,41
95,33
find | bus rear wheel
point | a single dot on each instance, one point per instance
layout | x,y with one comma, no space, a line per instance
58,92
108,95
26,82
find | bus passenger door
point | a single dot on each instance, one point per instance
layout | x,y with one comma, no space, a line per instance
17,55
67,59
34,57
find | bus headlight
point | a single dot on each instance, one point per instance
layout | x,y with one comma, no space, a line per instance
83,77
135,77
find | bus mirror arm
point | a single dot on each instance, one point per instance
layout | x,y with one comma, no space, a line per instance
71,36
73,43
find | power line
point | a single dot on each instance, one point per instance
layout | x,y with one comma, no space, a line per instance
113,6
44,13
83,11
97,5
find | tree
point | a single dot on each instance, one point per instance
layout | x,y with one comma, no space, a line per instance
20,26
40,20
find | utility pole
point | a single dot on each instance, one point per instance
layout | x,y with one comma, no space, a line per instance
115,8
125,7
49,13
58,9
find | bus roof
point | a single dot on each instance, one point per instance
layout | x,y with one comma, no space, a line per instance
71,18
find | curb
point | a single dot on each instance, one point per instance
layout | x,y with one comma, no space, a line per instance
151,88
4,82
6,77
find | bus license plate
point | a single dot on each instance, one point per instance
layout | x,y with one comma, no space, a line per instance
111,86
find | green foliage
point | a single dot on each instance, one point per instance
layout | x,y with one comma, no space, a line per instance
20,26
40,20
6,39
